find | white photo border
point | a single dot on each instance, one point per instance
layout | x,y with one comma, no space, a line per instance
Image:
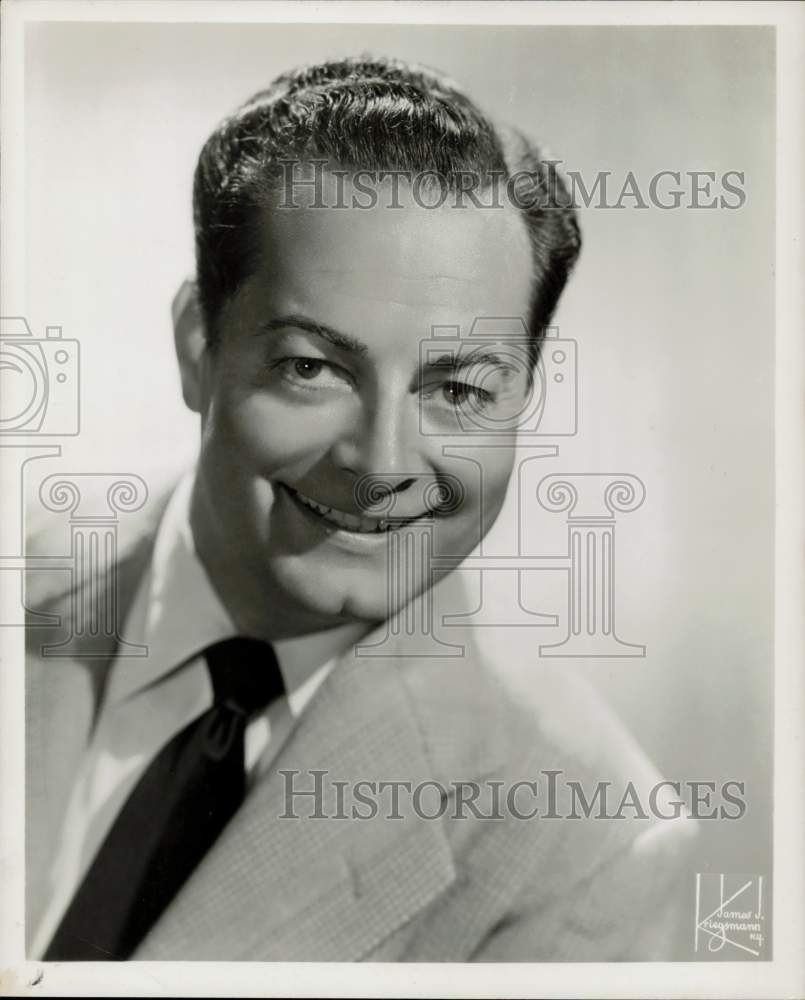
784,975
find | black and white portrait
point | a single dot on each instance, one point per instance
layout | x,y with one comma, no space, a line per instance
388,442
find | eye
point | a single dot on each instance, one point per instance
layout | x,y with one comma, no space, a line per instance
307,368
311,373
462,394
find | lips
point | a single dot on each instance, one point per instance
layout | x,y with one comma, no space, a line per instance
356,523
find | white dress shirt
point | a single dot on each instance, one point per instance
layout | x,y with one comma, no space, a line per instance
176,614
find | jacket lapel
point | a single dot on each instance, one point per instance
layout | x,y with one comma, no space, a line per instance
62,695
275,887
60,701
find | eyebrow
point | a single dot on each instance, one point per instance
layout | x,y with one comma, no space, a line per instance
477,357
340,340
447,362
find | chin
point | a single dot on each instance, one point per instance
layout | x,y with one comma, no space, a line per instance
345,607
322,595
339,595
372,605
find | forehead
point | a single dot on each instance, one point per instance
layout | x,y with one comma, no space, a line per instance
393,269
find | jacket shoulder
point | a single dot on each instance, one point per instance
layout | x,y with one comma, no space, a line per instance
553,880
480,711
53,570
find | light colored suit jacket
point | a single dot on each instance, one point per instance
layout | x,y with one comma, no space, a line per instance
448,889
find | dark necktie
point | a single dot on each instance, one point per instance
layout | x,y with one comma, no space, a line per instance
176,811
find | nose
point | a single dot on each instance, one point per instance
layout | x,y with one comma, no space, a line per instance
384,451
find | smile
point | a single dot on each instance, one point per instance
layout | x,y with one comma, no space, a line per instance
355,523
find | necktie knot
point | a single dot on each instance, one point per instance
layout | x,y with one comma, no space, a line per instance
245,674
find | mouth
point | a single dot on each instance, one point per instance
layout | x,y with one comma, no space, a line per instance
357,524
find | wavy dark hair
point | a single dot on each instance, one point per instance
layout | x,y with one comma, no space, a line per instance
376,114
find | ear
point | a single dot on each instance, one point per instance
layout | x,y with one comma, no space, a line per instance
190,341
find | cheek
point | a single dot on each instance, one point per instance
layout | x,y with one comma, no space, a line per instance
496,476
259,432
484,476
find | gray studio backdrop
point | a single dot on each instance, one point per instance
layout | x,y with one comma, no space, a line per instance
672,312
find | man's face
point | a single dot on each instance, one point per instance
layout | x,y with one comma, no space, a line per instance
325,420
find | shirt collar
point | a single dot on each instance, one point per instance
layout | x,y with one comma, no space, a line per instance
177,614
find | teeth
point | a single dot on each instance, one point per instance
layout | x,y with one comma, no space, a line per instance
350,522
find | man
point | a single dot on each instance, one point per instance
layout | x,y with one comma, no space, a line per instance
256,787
